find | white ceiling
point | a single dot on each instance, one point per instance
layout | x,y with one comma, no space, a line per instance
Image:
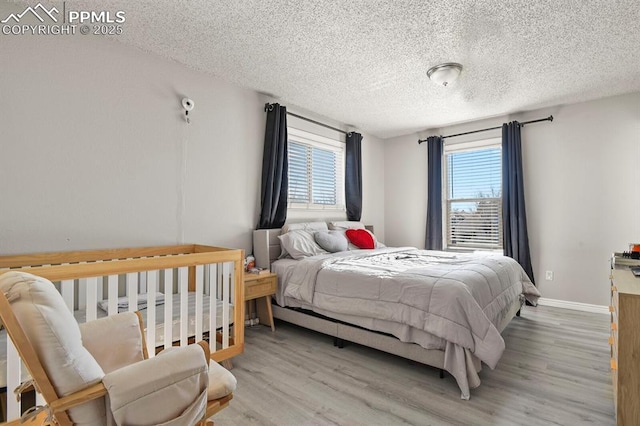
364,62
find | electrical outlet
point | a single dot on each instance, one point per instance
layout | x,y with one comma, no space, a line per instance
549,276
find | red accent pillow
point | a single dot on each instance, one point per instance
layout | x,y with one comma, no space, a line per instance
360,238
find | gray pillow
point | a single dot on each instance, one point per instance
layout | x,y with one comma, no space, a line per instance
332,241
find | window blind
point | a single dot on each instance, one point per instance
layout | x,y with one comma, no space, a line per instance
298,173
315,176
474,198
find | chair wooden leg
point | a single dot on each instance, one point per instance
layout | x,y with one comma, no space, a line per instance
227,364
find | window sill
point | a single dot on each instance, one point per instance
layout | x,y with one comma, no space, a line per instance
316,209
473,250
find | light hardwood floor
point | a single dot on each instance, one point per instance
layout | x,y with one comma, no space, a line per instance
555,370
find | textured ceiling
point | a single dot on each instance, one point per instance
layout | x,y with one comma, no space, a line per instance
365,62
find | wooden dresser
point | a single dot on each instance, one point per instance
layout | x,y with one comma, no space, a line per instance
625,345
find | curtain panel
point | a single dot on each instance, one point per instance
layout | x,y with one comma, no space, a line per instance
514,216
353,176
435,148
275,169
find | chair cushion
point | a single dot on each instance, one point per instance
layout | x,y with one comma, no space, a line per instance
169,389
221,381
114,341
55,336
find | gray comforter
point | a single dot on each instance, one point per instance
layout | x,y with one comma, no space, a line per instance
461,298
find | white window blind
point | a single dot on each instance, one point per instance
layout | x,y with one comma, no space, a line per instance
316,176
473,196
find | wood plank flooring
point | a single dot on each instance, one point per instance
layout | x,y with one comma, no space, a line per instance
555,371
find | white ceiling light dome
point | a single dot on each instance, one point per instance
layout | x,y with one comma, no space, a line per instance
444,74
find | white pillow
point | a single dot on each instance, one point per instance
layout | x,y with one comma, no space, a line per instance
312,227
305,226
300,244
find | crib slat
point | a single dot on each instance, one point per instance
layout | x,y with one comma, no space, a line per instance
152,282
168,308
13,380
112,294
132,291
92,299
225,304
199,295
66,288
183,282
213,304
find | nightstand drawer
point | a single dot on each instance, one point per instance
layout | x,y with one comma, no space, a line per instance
260,287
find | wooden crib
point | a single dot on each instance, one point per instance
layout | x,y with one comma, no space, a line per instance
200,287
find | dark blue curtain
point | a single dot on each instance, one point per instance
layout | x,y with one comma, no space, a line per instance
353,176
514,216
275,169
435,146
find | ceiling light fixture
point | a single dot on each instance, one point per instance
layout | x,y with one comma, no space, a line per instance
444,74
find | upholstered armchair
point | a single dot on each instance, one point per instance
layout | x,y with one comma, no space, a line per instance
99,373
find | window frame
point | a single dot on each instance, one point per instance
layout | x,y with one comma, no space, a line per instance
328,144
460,147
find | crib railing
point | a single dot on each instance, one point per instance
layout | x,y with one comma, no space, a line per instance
192,292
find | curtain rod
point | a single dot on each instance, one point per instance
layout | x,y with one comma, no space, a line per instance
549,118
267,106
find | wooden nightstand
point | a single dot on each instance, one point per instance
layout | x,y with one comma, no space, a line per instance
261,287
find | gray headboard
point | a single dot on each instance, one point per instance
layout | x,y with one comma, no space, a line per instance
266,246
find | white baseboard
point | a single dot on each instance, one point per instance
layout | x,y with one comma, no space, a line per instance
576,306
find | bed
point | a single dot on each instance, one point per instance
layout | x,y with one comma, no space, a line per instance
442,309
185,291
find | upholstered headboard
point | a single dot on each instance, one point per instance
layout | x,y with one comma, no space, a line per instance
266,246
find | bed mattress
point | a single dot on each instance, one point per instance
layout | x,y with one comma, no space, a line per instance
440,300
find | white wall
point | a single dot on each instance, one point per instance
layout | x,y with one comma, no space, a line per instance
405,195
582,177
92,143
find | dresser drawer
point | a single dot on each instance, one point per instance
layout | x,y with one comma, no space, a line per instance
260,287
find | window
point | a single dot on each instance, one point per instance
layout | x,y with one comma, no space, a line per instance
473,195
316,171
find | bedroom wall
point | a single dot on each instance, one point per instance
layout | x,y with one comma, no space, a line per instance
582,178
95,152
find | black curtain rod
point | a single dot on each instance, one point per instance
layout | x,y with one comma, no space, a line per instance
266,106
549,118
316,122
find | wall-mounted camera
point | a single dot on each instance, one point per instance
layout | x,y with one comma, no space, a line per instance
188,105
